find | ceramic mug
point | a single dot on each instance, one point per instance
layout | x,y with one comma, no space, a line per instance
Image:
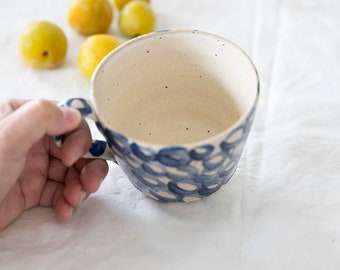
175,108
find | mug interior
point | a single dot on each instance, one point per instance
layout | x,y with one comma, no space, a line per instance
175,87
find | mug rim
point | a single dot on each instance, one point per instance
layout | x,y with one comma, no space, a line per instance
193,144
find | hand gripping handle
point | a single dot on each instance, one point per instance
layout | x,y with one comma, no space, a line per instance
99,149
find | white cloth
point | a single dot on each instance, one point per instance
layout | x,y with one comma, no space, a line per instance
281,210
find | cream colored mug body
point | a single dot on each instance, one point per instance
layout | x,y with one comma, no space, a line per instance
175,108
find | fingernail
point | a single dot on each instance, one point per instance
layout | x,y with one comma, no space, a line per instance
76,155
71,115
70,212
83,195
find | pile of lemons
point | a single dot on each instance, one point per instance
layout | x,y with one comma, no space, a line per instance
43,45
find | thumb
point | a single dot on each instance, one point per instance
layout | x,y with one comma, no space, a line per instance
31,122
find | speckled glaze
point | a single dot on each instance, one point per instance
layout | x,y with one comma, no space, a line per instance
176,172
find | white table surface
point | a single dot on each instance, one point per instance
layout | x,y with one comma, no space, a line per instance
281,210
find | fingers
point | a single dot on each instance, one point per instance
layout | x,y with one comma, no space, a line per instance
76,144
25,123
62,209
83,179
74,193
92,174
80,181
22,128
53,195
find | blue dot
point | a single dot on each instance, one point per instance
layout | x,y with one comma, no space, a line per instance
98,148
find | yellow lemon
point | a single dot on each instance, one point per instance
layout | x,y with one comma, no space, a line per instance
43,45
88,17
136,18
93,50
121,3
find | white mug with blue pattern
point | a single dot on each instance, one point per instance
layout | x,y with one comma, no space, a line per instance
175,108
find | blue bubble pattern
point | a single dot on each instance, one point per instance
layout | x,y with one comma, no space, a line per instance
174,173
179,174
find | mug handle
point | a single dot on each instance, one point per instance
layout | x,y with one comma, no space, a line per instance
99,149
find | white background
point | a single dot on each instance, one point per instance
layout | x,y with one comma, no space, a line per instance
281,210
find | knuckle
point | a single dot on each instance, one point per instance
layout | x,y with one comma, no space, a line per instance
44,107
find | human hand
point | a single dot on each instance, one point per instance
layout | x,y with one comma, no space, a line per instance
33,170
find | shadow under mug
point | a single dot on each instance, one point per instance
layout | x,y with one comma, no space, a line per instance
175,108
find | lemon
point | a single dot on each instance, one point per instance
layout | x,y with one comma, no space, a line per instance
88,17
43,45
93,50
121,3
136,18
